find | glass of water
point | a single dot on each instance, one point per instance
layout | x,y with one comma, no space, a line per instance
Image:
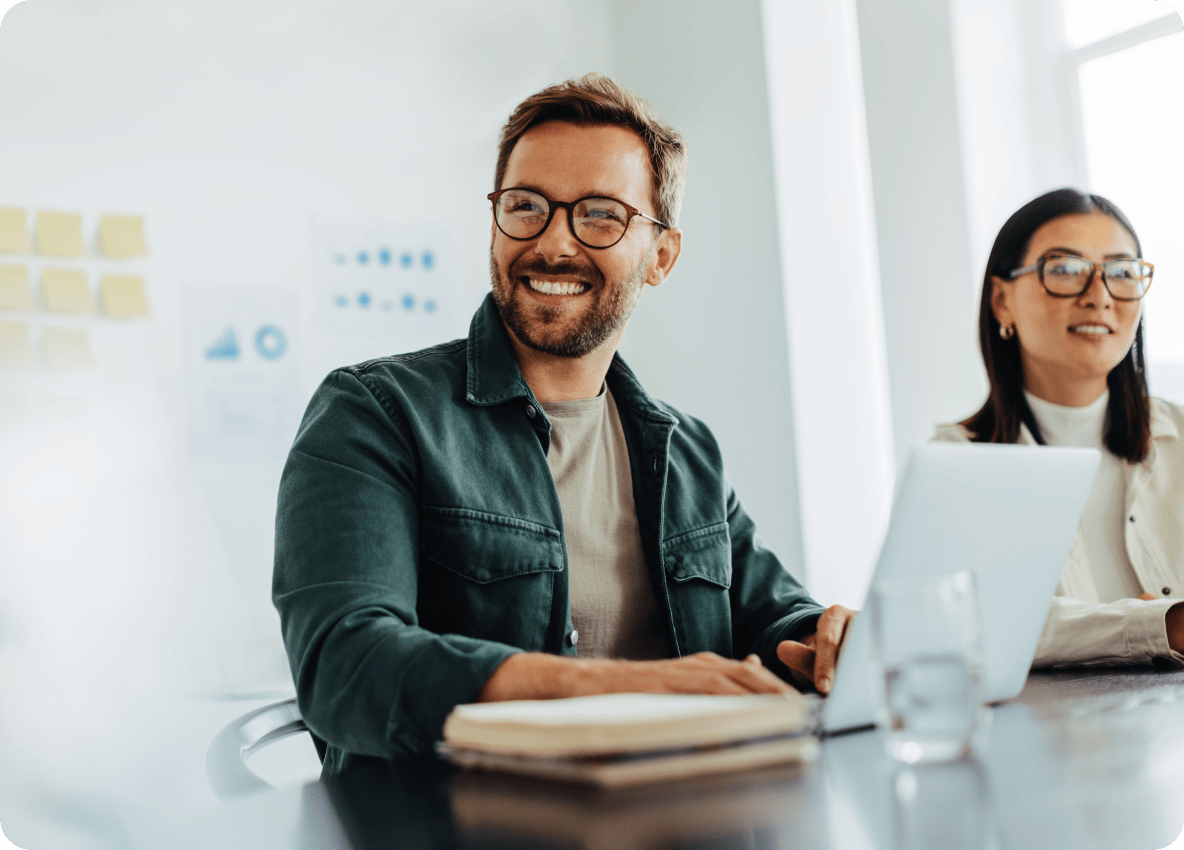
927,665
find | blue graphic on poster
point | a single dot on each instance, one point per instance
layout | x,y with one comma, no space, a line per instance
400,282
226,348
270,342
244,395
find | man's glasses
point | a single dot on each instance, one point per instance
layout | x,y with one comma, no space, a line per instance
1068,276
596,222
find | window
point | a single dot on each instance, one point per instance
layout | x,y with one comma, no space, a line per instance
1090,21
1128,59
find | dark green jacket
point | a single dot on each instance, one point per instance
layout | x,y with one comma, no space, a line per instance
419,540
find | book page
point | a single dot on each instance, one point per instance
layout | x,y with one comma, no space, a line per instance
618,709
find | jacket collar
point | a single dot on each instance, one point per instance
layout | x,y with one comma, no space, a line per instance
494,375
1162,426
629,393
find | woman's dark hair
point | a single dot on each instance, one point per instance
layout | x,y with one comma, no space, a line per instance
1127,429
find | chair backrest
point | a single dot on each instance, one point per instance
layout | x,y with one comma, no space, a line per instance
226,768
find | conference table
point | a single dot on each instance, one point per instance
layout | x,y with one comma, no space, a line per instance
1081,759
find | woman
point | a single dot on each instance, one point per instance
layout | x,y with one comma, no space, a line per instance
1061,333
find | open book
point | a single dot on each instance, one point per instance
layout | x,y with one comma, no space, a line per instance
619,739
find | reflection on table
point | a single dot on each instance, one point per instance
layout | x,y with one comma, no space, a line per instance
1080,760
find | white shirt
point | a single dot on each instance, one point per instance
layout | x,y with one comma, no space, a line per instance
1081,628
1102,521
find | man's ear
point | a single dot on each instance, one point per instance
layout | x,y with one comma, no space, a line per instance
1002,293
666,250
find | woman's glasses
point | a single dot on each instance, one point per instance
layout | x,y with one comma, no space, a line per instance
1068,276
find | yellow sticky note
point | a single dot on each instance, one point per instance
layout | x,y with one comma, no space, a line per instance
65,291
14,410
123,296
122,236
59,234
14,232
15,347
15,292
66,348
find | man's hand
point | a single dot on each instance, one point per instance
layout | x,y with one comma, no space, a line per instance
812,660
532,675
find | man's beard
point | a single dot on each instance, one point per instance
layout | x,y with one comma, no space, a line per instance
529,322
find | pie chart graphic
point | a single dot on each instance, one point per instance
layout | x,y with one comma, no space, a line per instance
270,342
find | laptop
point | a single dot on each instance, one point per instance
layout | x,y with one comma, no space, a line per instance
1007,512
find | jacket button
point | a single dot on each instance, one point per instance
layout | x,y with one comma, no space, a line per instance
574,637
1167,591
530,411
1132,519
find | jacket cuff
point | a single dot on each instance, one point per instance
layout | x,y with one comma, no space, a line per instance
795,626
450,671
1147,631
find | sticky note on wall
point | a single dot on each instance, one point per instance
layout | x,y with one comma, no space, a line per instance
15,347
65,291
59,234
123,296
121,236
15,292
14,232
63,409
66,348
14,410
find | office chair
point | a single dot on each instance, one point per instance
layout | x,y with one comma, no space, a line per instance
226,757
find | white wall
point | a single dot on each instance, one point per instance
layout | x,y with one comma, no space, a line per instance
926,274
833,312
712,339
1017,123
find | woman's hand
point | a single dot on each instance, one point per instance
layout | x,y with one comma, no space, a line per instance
1175,624
1174,621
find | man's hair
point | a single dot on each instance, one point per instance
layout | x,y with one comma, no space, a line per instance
596,100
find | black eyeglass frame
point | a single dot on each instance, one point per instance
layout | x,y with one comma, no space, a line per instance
1038,267
570,206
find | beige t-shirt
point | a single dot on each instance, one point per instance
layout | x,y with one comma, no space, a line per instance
612,601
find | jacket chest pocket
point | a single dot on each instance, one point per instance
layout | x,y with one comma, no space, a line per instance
699,568
487,576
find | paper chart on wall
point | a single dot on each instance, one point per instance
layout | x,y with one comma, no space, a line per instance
243,370
394,281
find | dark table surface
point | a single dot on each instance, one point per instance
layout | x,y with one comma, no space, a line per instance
1082,759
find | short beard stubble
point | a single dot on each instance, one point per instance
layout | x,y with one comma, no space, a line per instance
613,305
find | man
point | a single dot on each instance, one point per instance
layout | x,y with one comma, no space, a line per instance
511,516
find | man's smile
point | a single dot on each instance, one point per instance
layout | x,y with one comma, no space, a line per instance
557,287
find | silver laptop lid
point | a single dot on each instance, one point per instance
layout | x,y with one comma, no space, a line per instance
1007,512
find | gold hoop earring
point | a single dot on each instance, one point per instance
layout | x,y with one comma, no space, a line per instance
1007,331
